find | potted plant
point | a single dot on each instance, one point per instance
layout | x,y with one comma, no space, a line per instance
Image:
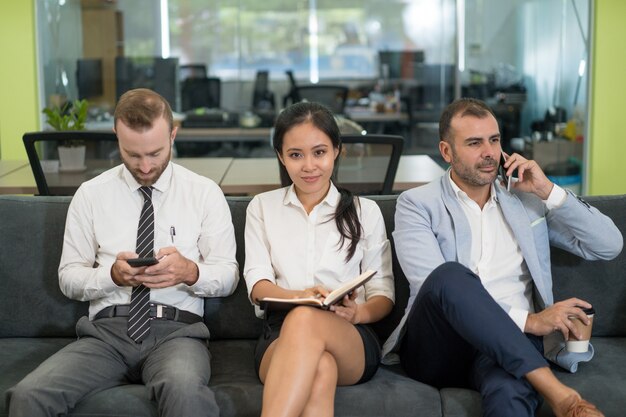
69,116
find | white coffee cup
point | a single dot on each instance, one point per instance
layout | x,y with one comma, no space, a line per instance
580,345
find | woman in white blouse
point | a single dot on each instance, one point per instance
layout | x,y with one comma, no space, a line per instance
306,240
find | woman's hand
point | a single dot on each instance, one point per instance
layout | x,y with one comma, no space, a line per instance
348,309
316,292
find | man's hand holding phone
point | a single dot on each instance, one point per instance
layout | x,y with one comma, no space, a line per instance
170,268
502,171
127,269
530,177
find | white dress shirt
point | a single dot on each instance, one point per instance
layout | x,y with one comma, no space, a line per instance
296,251
102,221
495,254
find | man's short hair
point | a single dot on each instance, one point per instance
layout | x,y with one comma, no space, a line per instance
463,107
139,108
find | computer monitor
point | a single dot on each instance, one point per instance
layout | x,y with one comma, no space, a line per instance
262,97
396,65
192,71
156,73
261,83
89,78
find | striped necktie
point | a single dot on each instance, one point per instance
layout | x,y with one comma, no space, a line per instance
139,314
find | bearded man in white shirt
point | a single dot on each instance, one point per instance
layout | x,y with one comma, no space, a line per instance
192,238
477,258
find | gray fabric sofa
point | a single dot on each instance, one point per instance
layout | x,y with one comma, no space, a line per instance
37,320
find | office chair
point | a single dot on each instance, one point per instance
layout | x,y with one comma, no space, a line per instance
332,96
262,96
292,96
200,92
367,164
102,153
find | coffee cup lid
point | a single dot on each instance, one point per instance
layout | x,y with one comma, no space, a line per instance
589,311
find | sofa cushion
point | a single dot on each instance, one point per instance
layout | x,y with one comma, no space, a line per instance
29,289
601,381
599,282
458,402
233,380
390,392
233,317
34,226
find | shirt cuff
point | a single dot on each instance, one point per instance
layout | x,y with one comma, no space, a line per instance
519,316
104,281
255,275
219,280
556,198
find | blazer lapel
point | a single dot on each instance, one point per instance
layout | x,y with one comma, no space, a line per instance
518,220
461,228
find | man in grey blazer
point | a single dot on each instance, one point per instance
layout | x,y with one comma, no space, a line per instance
477,258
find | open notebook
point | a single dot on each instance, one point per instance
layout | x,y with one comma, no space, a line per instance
269,303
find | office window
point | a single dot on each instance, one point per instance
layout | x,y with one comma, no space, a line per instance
528,58
318,40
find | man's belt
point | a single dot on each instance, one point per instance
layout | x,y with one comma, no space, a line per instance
157,311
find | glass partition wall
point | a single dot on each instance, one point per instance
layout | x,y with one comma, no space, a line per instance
236,62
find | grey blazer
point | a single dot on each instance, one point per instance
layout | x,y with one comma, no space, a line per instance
431,228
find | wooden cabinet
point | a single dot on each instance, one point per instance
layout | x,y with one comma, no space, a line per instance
103,38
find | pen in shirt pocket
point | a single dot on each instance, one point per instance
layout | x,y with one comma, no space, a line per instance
172,233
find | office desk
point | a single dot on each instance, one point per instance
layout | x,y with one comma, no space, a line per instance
380,123
256,175
209,134
8,166
369,116
251,176
237,176
21,180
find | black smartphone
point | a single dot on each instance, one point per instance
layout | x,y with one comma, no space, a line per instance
137,262
502,172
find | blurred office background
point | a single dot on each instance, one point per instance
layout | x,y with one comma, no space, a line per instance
529,59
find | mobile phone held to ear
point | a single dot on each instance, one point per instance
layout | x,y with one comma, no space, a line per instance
502,172
137,262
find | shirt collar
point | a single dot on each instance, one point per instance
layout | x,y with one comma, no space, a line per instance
331,199
462,195
162,184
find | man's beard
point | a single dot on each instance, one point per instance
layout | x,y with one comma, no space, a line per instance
472,175
155,172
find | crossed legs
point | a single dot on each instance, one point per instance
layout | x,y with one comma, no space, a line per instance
458,336
316,351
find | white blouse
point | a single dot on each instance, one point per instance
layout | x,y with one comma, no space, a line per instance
294,250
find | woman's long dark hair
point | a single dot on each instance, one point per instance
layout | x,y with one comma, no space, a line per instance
346,216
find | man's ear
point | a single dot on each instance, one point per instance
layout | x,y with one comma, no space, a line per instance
446,150
173,135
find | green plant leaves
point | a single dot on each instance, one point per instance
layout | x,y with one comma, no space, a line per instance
70,116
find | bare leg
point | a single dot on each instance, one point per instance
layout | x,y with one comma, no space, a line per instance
293,364
560,397
321,402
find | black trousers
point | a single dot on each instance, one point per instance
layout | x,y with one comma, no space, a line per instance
458,336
